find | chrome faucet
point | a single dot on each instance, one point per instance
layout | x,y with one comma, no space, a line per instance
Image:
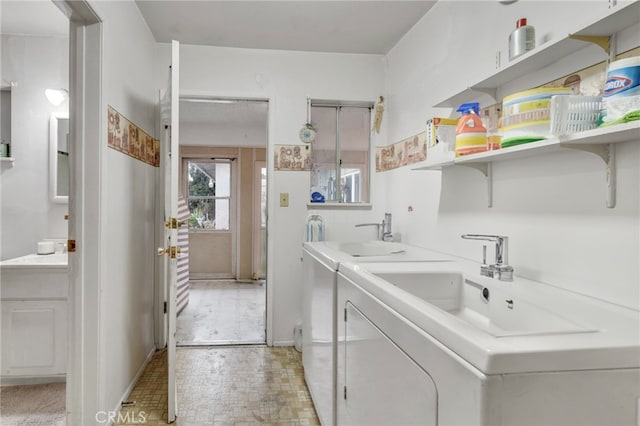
383,230
501,268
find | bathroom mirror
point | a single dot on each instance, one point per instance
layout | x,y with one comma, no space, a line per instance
59,157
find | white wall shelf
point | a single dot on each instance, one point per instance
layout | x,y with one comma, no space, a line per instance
618,18
8,160
600,141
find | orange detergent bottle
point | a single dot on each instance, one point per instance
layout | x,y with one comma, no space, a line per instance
471,135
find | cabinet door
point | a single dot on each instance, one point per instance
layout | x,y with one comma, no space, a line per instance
34,337
383,386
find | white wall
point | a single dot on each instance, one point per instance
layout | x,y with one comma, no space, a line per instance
552,207
36,63
127,224
286,78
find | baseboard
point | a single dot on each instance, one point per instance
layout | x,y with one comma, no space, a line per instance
283,343
127,392
32,380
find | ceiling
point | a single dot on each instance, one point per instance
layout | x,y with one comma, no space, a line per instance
40,17
320,26
372,27
367,27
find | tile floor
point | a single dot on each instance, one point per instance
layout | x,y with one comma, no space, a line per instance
223,312
225,385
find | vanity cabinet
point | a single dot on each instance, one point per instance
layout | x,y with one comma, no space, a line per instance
33,310
34,337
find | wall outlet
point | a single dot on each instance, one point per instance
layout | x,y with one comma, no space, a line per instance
284,199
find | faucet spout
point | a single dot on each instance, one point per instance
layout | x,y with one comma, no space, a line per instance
501,268
383,230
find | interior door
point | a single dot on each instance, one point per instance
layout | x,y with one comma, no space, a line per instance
170,147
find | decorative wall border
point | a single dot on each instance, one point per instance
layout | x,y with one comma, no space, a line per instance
292,158
126,137
407,151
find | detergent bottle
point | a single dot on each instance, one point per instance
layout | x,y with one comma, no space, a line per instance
471,135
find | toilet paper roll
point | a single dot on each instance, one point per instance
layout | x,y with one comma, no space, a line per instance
46,247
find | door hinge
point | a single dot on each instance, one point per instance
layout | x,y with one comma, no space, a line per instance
345,392
165,307
71,246
173,223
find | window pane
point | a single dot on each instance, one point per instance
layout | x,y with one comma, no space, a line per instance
342,133
202,214
208,213
209,189
323,152
201,179
209,178
223,179
354,143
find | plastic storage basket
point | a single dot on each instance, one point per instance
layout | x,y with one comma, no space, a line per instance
572,113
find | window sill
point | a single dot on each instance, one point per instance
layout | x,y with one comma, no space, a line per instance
339,206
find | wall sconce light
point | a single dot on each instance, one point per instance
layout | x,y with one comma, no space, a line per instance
56,96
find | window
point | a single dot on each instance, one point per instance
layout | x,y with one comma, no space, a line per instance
209,194
340,153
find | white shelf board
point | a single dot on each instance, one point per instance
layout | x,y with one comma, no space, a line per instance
7,159
519,151
626,132
603,135
619,18
436,164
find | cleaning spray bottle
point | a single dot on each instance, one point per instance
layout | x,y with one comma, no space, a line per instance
471,135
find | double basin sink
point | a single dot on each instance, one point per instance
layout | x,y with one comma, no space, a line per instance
443,285
495,325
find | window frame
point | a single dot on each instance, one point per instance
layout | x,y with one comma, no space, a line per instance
338,105
230,198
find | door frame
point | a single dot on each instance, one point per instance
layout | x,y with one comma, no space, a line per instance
271,108
258,165
84,395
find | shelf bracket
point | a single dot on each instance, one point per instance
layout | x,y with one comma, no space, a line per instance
487,171
603,41
491,91
607,153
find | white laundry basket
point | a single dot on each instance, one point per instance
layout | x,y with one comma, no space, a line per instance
573,113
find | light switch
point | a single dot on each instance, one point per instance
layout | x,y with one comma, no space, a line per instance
284,199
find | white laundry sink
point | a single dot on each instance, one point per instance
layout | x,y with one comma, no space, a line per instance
502,327
489,308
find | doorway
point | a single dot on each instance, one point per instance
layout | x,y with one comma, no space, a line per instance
223,154
35,45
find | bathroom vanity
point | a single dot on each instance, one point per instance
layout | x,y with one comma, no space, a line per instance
33,302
